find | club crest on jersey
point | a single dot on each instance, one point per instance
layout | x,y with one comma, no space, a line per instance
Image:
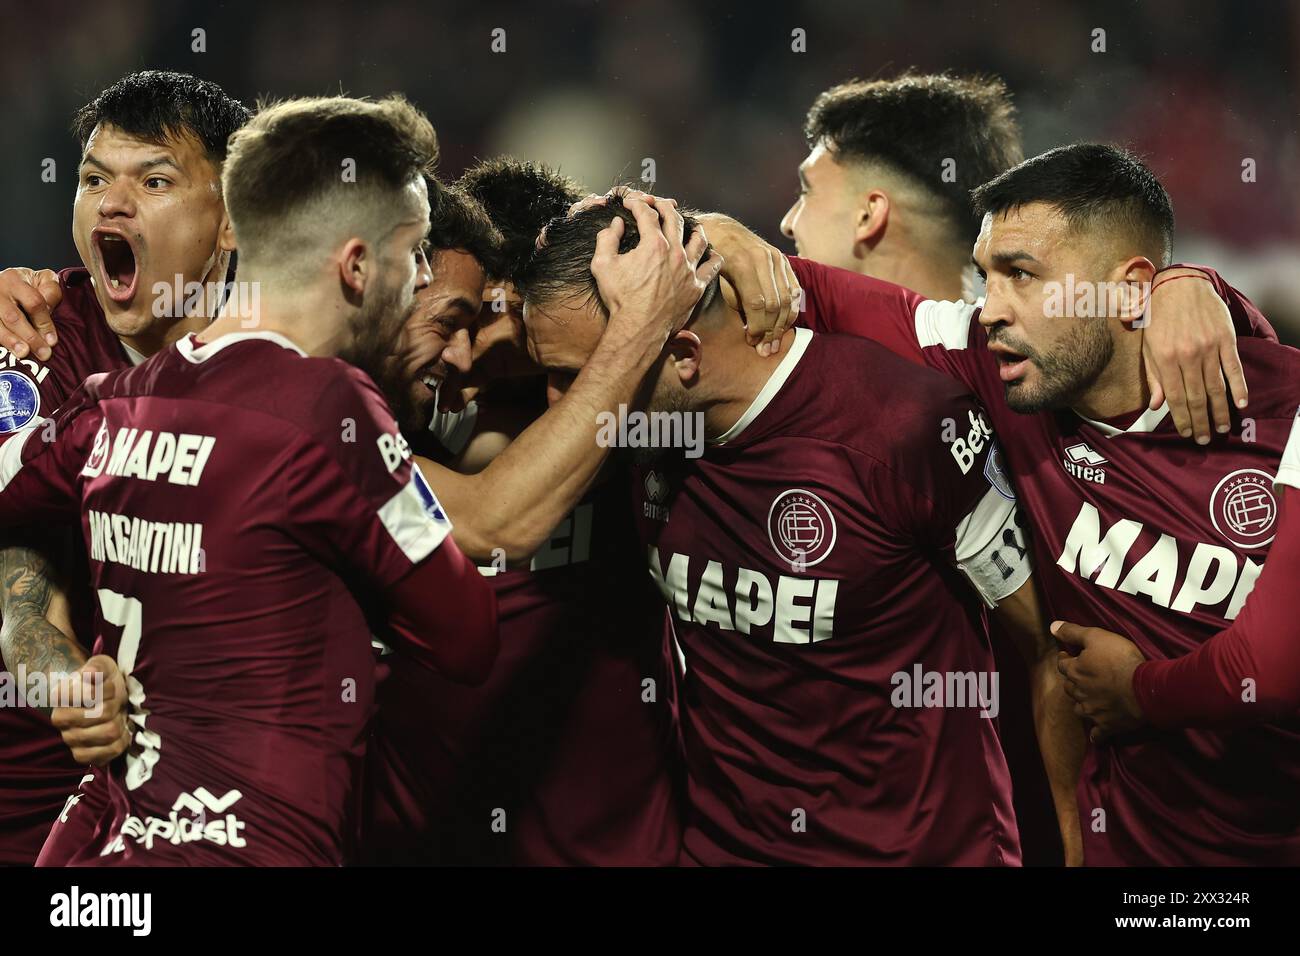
801,528
1244,509
20,401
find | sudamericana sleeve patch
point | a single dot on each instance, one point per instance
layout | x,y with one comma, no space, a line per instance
20,401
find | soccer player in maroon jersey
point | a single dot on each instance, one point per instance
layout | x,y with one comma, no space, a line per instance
240,609
1136,531
885,191
564,755
1248,673
148,214
817,562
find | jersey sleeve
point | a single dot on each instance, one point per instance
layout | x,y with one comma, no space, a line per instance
1250,672
1288,471
1248,321
957,499
357,497
945,336
40,464
353,492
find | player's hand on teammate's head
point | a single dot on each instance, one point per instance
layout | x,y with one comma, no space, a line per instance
599,199
27,296
96,730
661,279
1189,347
1100,678
767,293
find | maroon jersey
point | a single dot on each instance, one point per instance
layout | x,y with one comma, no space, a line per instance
37,772
566,755
1138,531
839,690
238,501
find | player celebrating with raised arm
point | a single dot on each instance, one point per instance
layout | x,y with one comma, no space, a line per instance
818,563
570,742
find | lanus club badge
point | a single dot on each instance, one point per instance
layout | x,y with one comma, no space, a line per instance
20,401
1244,509
801,528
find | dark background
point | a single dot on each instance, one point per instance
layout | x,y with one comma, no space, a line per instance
711,92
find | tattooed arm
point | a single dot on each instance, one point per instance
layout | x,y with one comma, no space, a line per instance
36,632
35,620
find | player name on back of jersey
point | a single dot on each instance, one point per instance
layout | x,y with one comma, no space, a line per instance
154,547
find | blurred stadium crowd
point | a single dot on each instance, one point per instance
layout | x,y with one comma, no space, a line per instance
713,94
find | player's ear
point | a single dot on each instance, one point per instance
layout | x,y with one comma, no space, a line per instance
872,218
225,233
1133,279
354,267
684,350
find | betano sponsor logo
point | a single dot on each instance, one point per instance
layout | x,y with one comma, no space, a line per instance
964,449
798,610
1164,574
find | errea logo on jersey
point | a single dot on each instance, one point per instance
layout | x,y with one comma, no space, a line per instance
656,493
1081,461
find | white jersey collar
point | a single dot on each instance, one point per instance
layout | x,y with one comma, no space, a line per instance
1148,421
134,357
196,353
798,345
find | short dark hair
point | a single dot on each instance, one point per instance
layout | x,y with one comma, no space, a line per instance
520,198
296,153
1093,186
459,221
913,123
157,105
561,267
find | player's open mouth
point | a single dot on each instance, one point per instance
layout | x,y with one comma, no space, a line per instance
1011,365
431,376
117,264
